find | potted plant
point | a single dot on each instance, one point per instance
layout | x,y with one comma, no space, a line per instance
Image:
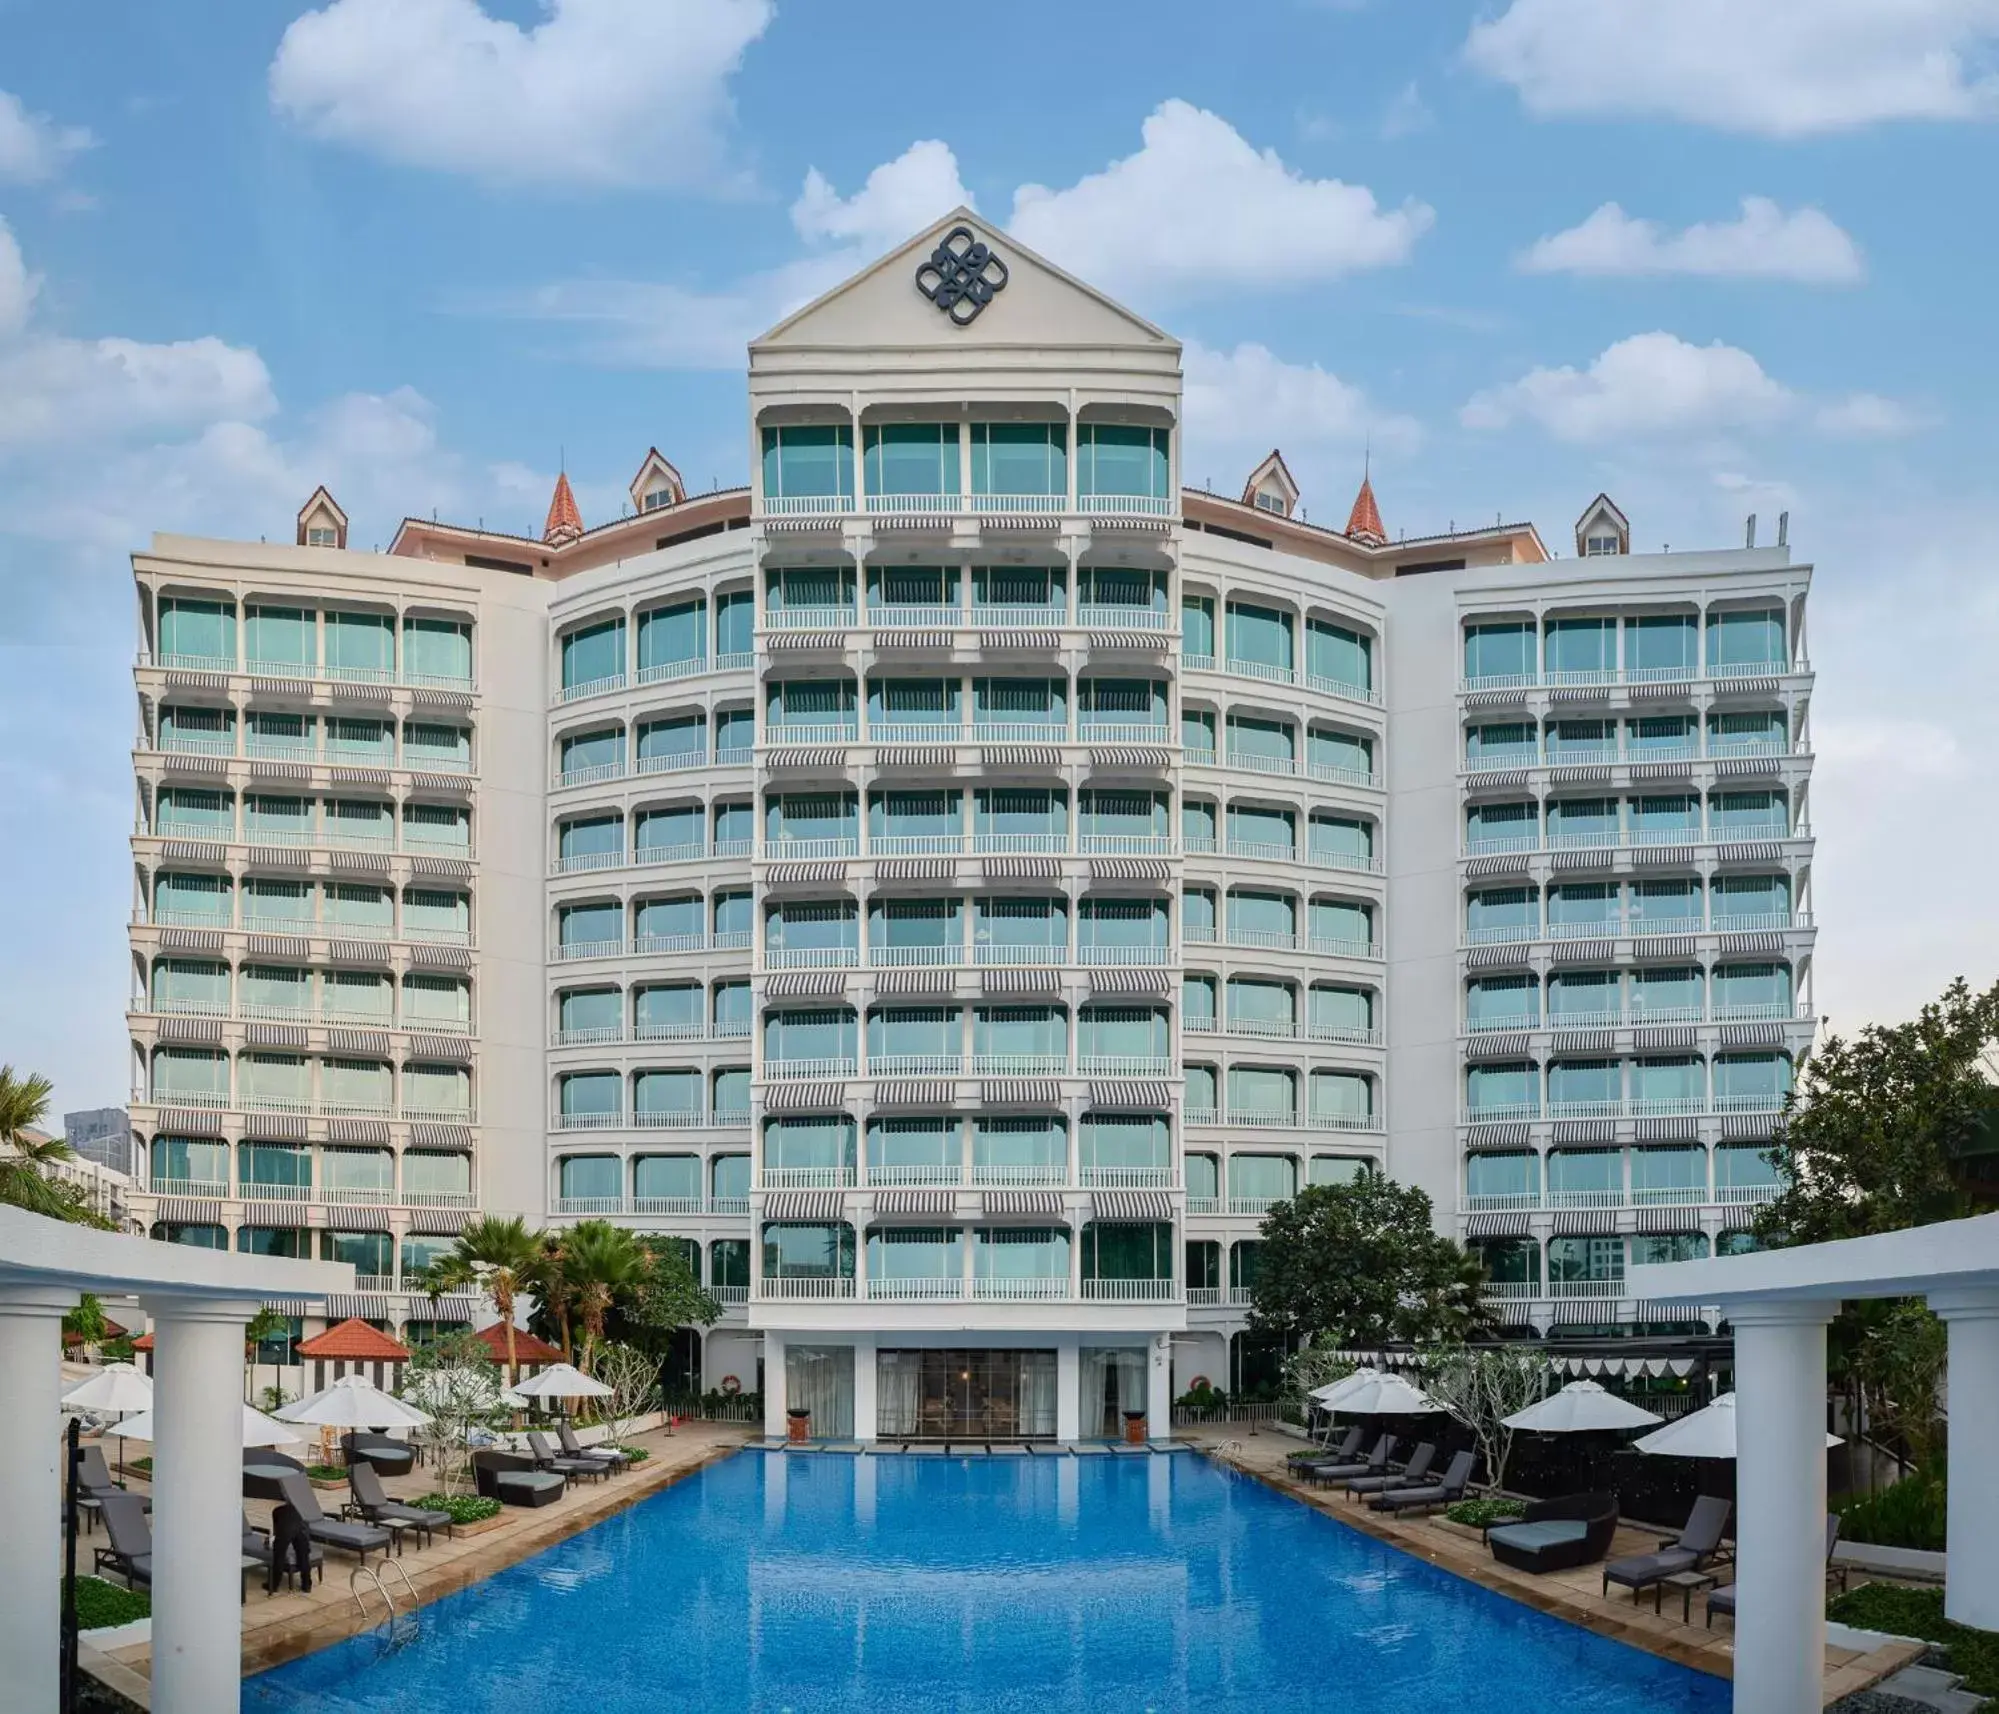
798,1425
1134,1428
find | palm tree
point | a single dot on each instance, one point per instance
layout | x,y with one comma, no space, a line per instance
493,1256
552,1284
24,1104
603,1262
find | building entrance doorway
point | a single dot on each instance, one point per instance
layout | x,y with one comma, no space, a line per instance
965,1395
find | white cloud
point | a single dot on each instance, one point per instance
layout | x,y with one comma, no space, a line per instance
1763,242
1781,68
1407,114
1922,748
900,198
1199,210
608,92
17,286
33,148
1650,384
1866,416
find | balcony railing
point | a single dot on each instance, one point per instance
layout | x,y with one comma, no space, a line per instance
181,662
805,1288
1130,1291
1629,838
1610,676
189,1186
844,1066
1620,925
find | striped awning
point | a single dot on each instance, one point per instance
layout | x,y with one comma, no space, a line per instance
377,952
1130,756
1570,1311
1144,1094
894,637
439,1221
802,1205
1577,776
440,698
1746,1127
1494,698
186,762
1582,951
1504,956
191,940
1752,1035
1761,852
441,1136
1501,863
1661,770
275,1127
184,678
1584,1131
1666,1131
1763,942
785,984
1131,637
357,1130
828,636
279,1035
1496,1044
1020,756
1504,779
440,866
207,1031
927,756
1664,1041
1661,856
368,862
913,981
1131,1205
1662,690
1022,639
441,782
1677,1218
1585,1222
287,1214
188,1210
1585,1041
1673,947
802,874
1022,868
371,1042
1578,692
279,946
188,1122
1567,862
804,756
915,868
1497,1225
192,851
1736,767
457,1048
1020,979
352,1217
1130,869
1020,1092
920,1201
913,1093
1498,1136
804,1097
1130,979
1035,1202
352,690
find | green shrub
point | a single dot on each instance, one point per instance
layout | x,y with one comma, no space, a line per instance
143,1465
99,1603
1476,1514
634,1454
1919,1613
464,1508
327,1472
1908,1513
1203,1397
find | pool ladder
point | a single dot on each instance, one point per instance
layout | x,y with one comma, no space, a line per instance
373,1579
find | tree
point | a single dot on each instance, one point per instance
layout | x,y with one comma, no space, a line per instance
85,1323
493,1256
669,1297
25,1155
551,1282
1483,1386
1359,1264
1899,1356
454,1378
603,1263
267,1323
633,1378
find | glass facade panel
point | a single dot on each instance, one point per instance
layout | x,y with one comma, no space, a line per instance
1020,458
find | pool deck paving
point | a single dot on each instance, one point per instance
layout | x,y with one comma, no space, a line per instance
281,1627
1574,1595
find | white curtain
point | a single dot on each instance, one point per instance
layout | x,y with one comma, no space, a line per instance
1099,1364
1036,1400
820,1378
898,1392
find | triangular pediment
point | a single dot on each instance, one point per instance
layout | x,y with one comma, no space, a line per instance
1038,305
1271,486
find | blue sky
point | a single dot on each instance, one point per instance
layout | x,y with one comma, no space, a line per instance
1716,256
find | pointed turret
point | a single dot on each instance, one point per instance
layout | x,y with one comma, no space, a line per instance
1364,521
565,523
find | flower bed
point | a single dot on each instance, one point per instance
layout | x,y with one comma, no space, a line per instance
99,1604
1476,1514
464,1508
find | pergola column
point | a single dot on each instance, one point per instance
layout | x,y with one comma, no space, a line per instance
1068,1391
1971,1588
775,1401
197,1503
1780,1490
1159,1386
31,1493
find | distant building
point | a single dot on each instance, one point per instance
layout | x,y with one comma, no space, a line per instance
101,1134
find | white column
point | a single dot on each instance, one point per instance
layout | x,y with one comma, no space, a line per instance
866,1415
1780,1506
1068,1391
197,1504
31,1494
1971,1585
774,1399
1159,1387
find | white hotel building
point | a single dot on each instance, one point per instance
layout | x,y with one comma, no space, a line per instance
960,881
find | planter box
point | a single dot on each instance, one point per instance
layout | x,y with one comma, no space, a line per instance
485,1526
1913,1563
334,1485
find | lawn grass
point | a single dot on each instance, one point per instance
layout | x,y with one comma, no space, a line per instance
1919,1613
99,1603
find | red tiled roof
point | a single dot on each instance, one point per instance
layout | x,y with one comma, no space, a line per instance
354,1339
527,1348
143,1343
565,523
1364,521
111,1331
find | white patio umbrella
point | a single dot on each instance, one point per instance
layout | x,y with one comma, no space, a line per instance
563,1381
353,1401
1388,1395
117,1389
1708,1433
258,1429
1329,1396
1582,1407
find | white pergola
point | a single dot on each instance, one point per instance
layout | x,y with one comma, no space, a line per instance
200,1302
1779,1302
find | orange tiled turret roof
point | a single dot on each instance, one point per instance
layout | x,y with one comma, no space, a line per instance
1364,521
355,1340
565,523
527,1348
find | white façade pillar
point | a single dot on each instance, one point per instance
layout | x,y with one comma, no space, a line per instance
774,1396
1159,1387
867,1414
1780,1405
197,1504
31,1494
1971,1586
1068,1391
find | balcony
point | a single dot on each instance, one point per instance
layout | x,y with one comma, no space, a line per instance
662,671
1120,617
1631,839
811,957
1125,1065
591,687
915,1064
805,1288
1017,616
189,1186
1019,1064
1621,925
1613,676
1127,1177
1130,1291
836,617
895,616
781,1069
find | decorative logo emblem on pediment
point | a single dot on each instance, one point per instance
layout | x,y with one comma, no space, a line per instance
961,275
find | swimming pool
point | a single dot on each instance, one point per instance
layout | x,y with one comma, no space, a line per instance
824,1584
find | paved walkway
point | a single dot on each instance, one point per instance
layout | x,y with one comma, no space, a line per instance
1573,1595
281,1627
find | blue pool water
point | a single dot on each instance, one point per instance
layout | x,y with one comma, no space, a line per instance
822,1584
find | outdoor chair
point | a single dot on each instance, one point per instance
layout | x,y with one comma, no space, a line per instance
1557,1534
355,1538
513,1479
546,1457
390,1457
1412,1475
574,1448
1723,1600
1345,1453
271,1460
1428,1498
93,1482
257,1546
130,1554
1375,1464
1698,1543
371,1504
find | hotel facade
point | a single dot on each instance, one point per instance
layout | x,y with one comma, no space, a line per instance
959,882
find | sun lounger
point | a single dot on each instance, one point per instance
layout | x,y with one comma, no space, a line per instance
93,1482
1697,1544
257,1546
1412,1475
548,1459
1445,1493
1345,1453
574,1448
512,1479
1554,1535
1722,1600
372,1504
1375,1464
130,1554
355,1538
